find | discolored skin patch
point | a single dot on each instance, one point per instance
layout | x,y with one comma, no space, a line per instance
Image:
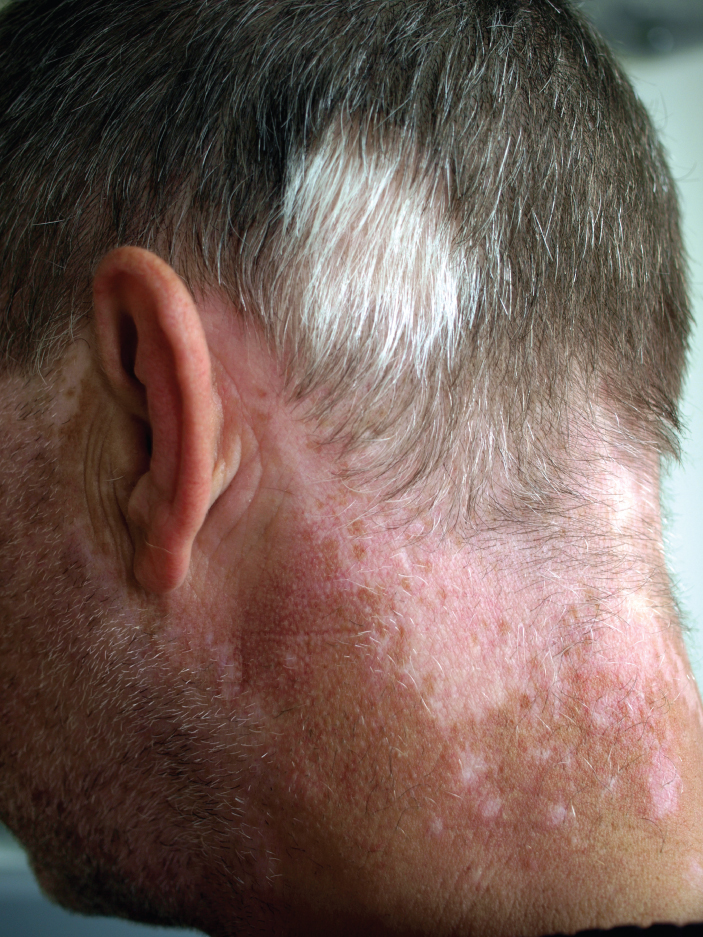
399,748
343,734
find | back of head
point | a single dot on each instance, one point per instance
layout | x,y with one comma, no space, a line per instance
451,220
386,302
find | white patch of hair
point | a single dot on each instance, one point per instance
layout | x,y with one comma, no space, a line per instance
368,298
379,278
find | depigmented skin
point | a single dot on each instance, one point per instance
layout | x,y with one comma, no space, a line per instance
401,727
500,751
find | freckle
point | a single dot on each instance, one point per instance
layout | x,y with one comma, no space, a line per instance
359,550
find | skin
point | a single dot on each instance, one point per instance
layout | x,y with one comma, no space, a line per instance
237,697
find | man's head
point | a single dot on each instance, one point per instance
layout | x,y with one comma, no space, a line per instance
474,184
341,344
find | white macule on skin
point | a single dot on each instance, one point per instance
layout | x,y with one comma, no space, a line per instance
694,874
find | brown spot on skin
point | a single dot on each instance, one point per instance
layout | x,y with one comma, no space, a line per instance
357,529
359,550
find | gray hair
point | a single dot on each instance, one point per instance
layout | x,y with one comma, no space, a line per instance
452,219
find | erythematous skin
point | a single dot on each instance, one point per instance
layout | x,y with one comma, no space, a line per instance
335,723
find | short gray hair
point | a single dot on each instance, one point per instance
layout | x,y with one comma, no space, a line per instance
451,219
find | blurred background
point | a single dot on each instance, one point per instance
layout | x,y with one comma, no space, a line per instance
660,43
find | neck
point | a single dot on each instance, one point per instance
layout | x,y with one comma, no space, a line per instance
511,711
512,714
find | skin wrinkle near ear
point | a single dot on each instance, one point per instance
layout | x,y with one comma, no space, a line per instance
228,433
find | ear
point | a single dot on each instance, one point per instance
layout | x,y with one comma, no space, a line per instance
155,356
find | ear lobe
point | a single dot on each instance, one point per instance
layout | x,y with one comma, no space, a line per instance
156,359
